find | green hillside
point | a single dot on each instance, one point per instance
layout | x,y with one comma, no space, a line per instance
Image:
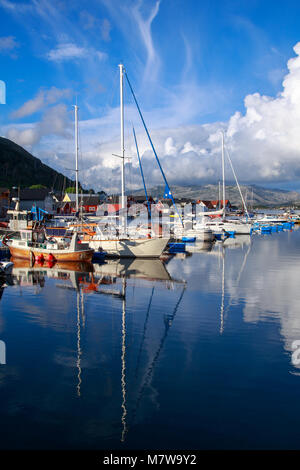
20,168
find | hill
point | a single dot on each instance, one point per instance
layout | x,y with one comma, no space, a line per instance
254,195
20,168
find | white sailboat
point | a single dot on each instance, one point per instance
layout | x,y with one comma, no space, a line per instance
239,227
125,245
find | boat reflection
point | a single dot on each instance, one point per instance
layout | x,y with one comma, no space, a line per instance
152,270
238,241
199,246
24,273
113,278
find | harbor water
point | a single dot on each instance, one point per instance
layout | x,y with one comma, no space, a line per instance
196,352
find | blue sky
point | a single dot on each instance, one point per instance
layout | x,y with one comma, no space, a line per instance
192,65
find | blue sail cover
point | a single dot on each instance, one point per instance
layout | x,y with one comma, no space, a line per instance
167,193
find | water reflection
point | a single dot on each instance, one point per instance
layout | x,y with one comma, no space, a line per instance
149,353
111,280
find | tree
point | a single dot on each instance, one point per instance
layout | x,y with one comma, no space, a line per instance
37,186
70,189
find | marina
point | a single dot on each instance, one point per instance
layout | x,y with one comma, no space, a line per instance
149,232
107,365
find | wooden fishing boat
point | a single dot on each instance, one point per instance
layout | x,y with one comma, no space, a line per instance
33,245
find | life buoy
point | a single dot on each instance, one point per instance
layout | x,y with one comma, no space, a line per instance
51,258
40,258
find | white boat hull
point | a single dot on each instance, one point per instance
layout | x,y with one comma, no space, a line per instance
203,235
127,248
238,228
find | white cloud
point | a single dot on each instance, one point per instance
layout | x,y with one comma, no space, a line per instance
264,142
43,98
105,29
70,51
144,25
55,121
91,22
15,7
66,51
8,43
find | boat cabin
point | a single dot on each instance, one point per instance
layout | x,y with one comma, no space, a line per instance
38,239
18,219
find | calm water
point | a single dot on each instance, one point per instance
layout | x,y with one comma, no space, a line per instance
192,354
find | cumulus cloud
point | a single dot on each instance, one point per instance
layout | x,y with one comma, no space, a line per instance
263,142
43,98
55,121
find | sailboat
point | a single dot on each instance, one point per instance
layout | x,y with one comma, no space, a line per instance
125,245
237,227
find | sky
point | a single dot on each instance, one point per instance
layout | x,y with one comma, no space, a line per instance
197,68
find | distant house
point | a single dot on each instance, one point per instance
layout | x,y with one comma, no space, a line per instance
87,202
219,204
213,205
41,198
4,201
206,205
107,208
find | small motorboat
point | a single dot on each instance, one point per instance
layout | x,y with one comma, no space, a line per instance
6,267
35,246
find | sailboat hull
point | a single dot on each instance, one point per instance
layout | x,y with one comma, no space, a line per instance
128,248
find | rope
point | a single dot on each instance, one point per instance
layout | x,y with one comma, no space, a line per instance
154,151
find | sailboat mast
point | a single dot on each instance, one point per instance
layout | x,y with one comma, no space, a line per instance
122,144
76,154
223,174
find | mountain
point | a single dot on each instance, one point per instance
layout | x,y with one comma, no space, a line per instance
253,194
20,168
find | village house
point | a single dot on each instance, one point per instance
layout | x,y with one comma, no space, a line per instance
4,201
219,204
88,203
213,205
42,198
